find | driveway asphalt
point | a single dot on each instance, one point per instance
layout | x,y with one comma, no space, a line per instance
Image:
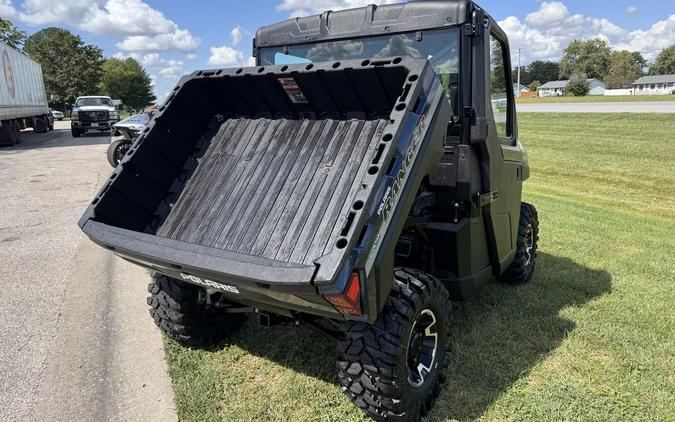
76,340
609,107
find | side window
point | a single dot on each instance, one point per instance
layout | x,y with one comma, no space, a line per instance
499,89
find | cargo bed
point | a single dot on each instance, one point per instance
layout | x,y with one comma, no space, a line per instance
266,175
275,188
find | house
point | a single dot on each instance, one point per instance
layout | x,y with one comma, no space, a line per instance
557,88
523,88
655,85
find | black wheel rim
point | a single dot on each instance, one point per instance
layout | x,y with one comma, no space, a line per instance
422,347
529,244
121,152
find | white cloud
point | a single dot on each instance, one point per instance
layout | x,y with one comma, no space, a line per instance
225,56
308,7
150,59
180,40
140,27
237,34
650,42
228,56
549,13
172,72
631,10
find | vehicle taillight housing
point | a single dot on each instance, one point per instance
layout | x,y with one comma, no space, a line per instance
349,302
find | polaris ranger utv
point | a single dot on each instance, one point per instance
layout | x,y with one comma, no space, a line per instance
362,175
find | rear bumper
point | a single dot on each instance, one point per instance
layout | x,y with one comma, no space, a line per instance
263,283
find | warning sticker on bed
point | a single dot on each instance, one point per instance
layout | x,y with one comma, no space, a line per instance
293,90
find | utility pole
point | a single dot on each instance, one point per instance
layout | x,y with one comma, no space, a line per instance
519,73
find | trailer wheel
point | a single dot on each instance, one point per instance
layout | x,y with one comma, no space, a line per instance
41,125
522,268
393,368
15,132
180,312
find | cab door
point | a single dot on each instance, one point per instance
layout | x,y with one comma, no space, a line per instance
507,165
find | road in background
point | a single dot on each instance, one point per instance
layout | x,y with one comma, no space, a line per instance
609,107
76,340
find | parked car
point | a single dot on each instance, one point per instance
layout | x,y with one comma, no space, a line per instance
57,115
92,113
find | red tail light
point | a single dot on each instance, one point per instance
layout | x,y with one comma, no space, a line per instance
348,303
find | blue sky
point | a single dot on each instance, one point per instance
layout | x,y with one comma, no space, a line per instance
187,35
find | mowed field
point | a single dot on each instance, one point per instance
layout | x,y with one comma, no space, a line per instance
591,338
597,99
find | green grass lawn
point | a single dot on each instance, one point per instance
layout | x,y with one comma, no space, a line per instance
598,99
591,338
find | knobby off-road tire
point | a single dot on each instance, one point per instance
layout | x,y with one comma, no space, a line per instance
522,268
374,361
117,150
176,309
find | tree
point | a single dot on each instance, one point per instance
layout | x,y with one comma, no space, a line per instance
665,62
543,71
626,67
592,58
10,34
534,86
578,86
128,81
70,67
525,77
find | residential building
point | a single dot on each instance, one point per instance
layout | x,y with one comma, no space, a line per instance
523,88
655,85
557,88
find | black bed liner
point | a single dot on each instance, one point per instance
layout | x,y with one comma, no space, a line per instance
273,175
275,188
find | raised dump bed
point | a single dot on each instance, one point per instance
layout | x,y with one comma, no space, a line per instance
271,175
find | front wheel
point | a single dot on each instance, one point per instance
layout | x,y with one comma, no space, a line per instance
392,369
522,268
117,150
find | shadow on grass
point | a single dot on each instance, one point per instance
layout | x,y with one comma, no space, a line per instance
497,337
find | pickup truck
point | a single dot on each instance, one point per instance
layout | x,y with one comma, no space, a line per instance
92,113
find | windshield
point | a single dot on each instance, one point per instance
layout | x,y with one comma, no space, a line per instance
85,102
440,47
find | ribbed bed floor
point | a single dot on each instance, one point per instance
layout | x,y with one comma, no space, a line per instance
275,188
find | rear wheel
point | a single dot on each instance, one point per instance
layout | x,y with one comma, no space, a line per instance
522,268
186,313
393,368
76,132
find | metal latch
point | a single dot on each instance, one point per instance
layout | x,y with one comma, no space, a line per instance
487,198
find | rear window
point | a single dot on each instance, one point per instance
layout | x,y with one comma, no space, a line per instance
440,47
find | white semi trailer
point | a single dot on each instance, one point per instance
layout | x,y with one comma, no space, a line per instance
23,100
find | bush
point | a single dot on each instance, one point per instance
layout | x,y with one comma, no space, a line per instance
578,86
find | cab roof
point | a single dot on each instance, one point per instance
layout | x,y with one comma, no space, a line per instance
365,21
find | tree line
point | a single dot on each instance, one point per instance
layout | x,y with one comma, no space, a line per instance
596,59
72,68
